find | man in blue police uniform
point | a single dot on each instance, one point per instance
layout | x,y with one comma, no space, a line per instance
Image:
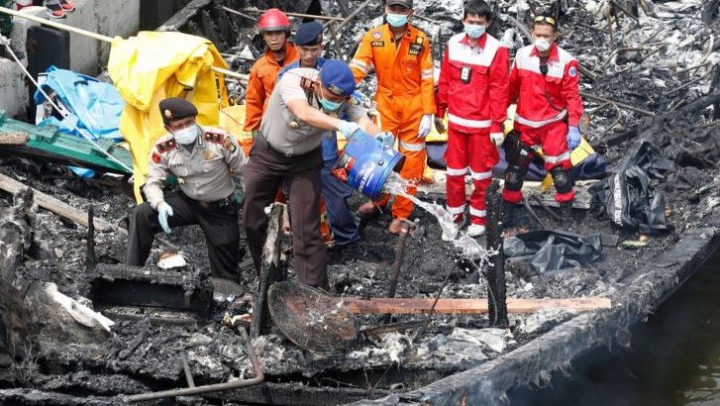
308,41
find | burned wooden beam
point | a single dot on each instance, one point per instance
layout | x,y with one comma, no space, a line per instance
53,204
270,272
497,299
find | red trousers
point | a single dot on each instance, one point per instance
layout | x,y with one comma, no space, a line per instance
553,140
474,152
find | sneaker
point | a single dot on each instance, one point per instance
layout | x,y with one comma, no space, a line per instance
55,11
476,230
67,6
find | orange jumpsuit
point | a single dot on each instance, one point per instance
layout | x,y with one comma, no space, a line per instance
261,83
404,94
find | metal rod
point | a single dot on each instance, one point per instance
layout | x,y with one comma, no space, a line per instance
542,204
623,105
240,383
352,15
90,260
96,36
533,214
319,17
231,11
396,266
188,373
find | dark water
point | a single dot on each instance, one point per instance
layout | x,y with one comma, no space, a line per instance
674,358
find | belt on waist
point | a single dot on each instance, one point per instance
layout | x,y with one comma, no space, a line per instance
263,142
214,204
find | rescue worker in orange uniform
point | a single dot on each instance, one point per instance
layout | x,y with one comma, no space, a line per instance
473,90
274,26
544,79
405,97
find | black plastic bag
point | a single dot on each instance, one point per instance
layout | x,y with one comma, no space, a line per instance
548,251
628,196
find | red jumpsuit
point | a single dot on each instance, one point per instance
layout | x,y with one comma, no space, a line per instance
476,106
405,93
547,104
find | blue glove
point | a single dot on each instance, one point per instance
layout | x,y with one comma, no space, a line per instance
386,138
164,211
348,128
573,137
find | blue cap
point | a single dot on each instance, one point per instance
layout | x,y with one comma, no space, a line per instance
309,34
337,77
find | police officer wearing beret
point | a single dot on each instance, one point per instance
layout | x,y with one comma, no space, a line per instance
207,164
305,104
309,44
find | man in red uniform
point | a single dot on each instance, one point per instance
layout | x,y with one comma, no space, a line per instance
473,91
274,27
545,79
401,55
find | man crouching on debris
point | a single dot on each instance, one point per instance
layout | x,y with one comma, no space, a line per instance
204,160
303,107
473,91
544,79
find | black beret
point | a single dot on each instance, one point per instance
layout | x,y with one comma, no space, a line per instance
309,34
176,108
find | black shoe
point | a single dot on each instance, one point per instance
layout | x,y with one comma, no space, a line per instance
509,214
566,213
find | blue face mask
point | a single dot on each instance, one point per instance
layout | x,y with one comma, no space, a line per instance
474,31
397,20
328,105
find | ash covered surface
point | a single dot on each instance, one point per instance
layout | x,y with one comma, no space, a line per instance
144,356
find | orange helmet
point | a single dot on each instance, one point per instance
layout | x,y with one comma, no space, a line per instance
273,20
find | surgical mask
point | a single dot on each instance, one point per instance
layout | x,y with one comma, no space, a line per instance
328,105
186,135
474,31
397,20
542,44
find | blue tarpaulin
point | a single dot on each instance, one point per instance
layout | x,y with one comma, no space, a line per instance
94,106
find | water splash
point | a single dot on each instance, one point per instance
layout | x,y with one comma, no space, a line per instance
466,245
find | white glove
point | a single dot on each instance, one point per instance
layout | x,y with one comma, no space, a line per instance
348,128
497,139
164,211
425,125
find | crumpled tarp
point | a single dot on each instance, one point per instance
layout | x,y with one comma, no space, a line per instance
94,106
548,251
629,197
156,65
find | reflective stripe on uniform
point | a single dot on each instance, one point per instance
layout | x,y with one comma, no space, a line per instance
412,147
537,124
481,175
426,74
477,213
456,172
359,65
468,123
555,159
456,210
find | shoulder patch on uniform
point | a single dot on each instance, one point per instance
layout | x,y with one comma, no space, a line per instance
307,83
415,49
155,157
166,146
217,138
377,34
228,144
572,72
377,44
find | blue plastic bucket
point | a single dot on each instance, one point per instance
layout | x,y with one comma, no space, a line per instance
366,164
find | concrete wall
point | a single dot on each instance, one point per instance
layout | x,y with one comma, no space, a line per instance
89,56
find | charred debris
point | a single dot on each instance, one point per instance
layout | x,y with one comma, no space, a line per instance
78,327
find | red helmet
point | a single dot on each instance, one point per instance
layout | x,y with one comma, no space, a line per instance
273,20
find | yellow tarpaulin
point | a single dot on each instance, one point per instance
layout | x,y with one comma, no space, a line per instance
153,66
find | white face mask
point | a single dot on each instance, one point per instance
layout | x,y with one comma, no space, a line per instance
186,135
542,44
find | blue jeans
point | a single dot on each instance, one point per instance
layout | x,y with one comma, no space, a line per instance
343,222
